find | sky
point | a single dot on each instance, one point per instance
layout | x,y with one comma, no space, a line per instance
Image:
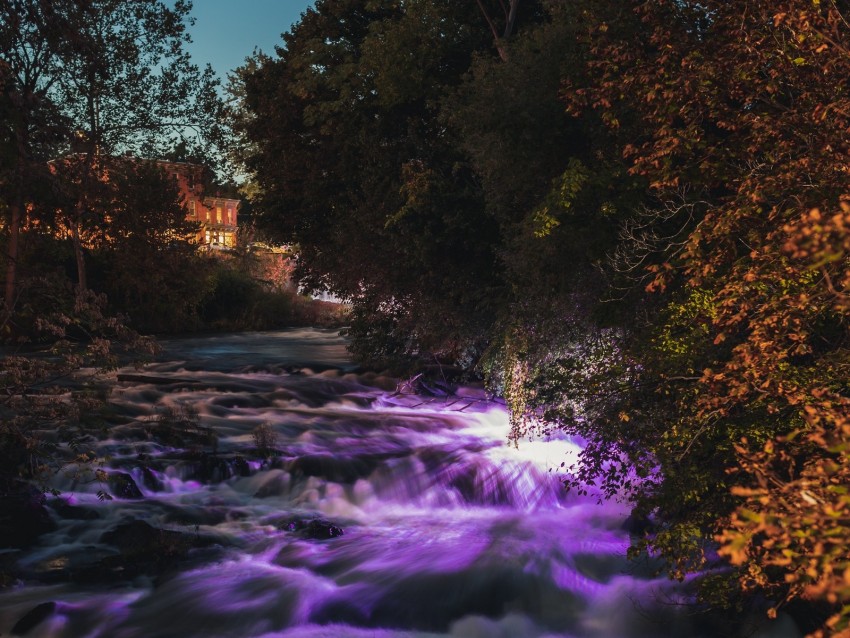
227,31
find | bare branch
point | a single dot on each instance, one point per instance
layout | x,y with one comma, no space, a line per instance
489,20
511,21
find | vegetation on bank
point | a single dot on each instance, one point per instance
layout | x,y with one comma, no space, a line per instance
631,218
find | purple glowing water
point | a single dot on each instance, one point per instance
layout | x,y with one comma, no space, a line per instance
448,531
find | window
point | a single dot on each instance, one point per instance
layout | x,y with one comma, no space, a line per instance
208,237
218,213
231,217
192,207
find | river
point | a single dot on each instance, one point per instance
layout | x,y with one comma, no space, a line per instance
285,494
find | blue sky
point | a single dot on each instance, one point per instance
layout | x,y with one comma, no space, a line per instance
227,31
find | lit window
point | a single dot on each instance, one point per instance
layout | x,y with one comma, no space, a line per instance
218,214
208,237
230,216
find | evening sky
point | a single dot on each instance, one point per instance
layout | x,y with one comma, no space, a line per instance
228,31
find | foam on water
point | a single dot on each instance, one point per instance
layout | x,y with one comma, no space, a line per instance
449,530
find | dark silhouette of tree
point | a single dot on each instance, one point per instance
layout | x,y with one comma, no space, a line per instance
118,75
30,122
352,163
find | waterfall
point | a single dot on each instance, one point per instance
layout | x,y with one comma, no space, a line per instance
356,511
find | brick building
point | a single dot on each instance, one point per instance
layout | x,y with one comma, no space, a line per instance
218,215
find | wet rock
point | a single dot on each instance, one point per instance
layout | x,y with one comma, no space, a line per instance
334,468
139,537
215,468
196,515
312,528
73,512
238,515
240,466
9,568
638,525
181,430
68,566
278,483
147,550
122,485
33,618
23,517
322,530
600,568
151,480
431,602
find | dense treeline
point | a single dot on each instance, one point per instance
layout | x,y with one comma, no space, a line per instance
87,89
631,218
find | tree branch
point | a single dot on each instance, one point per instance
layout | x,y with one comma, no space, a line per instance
511,22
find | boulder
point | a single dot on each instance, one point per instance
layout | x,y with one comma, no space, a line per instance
141,538
122,485
73,512
34,617
333,468
318,529
23,517
151,480
312,528
215,468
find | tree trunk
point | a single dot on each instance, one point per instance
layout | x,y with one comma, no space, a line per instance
510,22
12,253
82,284
16,213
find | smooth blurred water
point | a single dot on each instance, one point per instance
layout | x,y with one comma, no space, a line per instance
448,530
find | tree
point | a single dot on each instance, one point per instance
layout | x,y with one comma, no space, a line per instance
145,257
354,166
749,353
31,123
124,84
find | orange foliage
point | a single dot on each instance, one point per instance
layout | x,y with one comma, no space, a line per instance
748,106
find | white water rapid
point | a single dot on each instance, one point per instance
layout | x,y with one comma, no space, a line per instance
362,513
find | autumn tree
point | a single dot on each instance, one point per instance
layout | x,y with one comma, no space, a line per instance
664,275
746,153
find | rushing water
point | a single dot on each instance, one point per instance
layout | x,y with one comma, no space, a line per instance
378,514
